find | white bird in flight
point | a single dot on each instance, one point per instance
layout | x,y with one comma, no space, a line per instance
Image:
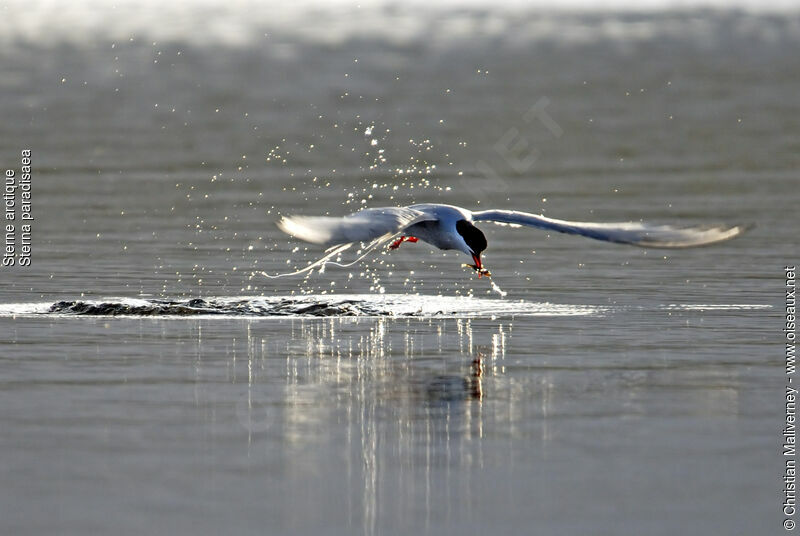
452,227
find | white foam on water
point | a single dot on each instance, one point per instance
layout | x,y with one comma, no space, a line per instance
23,309
422,305
344,305
334,305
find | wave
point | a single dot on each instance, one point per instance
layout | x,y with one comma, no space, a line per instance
353,305
306,306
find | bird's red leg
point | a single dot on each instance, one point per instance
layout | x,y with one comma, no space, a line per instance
396,243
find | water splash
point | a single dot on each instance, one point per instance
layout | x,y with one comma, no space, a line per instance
339,305
497,289
330,254
354,305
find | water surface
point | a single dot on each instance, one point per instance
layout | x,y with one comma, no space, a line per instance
151,381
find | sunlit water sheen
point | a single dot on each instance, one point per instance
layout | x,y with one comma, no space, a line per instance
152,381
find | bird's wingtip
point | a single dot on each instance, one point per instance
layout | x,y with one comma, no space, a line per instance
304,228
727,232
291,226
733,231
283,223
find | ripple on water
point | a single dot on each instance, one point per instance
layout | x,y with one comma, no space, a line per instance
305,306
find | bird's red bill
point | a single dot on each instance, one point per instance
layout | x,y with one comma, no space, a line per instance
477,260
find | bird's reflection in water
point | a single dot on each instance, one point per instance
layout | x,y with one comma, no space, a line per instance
370,424
447,389
399,404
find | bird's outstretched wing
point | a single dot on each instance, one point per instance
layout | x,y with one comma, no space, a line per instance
637,234
364,226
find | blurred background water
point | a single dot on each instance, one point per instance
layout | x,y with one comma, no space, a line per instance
620,390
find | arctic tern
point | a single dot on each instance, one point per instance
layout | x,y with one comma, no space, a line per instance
452,227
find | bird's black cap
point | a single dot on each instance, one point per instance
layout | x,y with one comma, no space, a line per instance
473,236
